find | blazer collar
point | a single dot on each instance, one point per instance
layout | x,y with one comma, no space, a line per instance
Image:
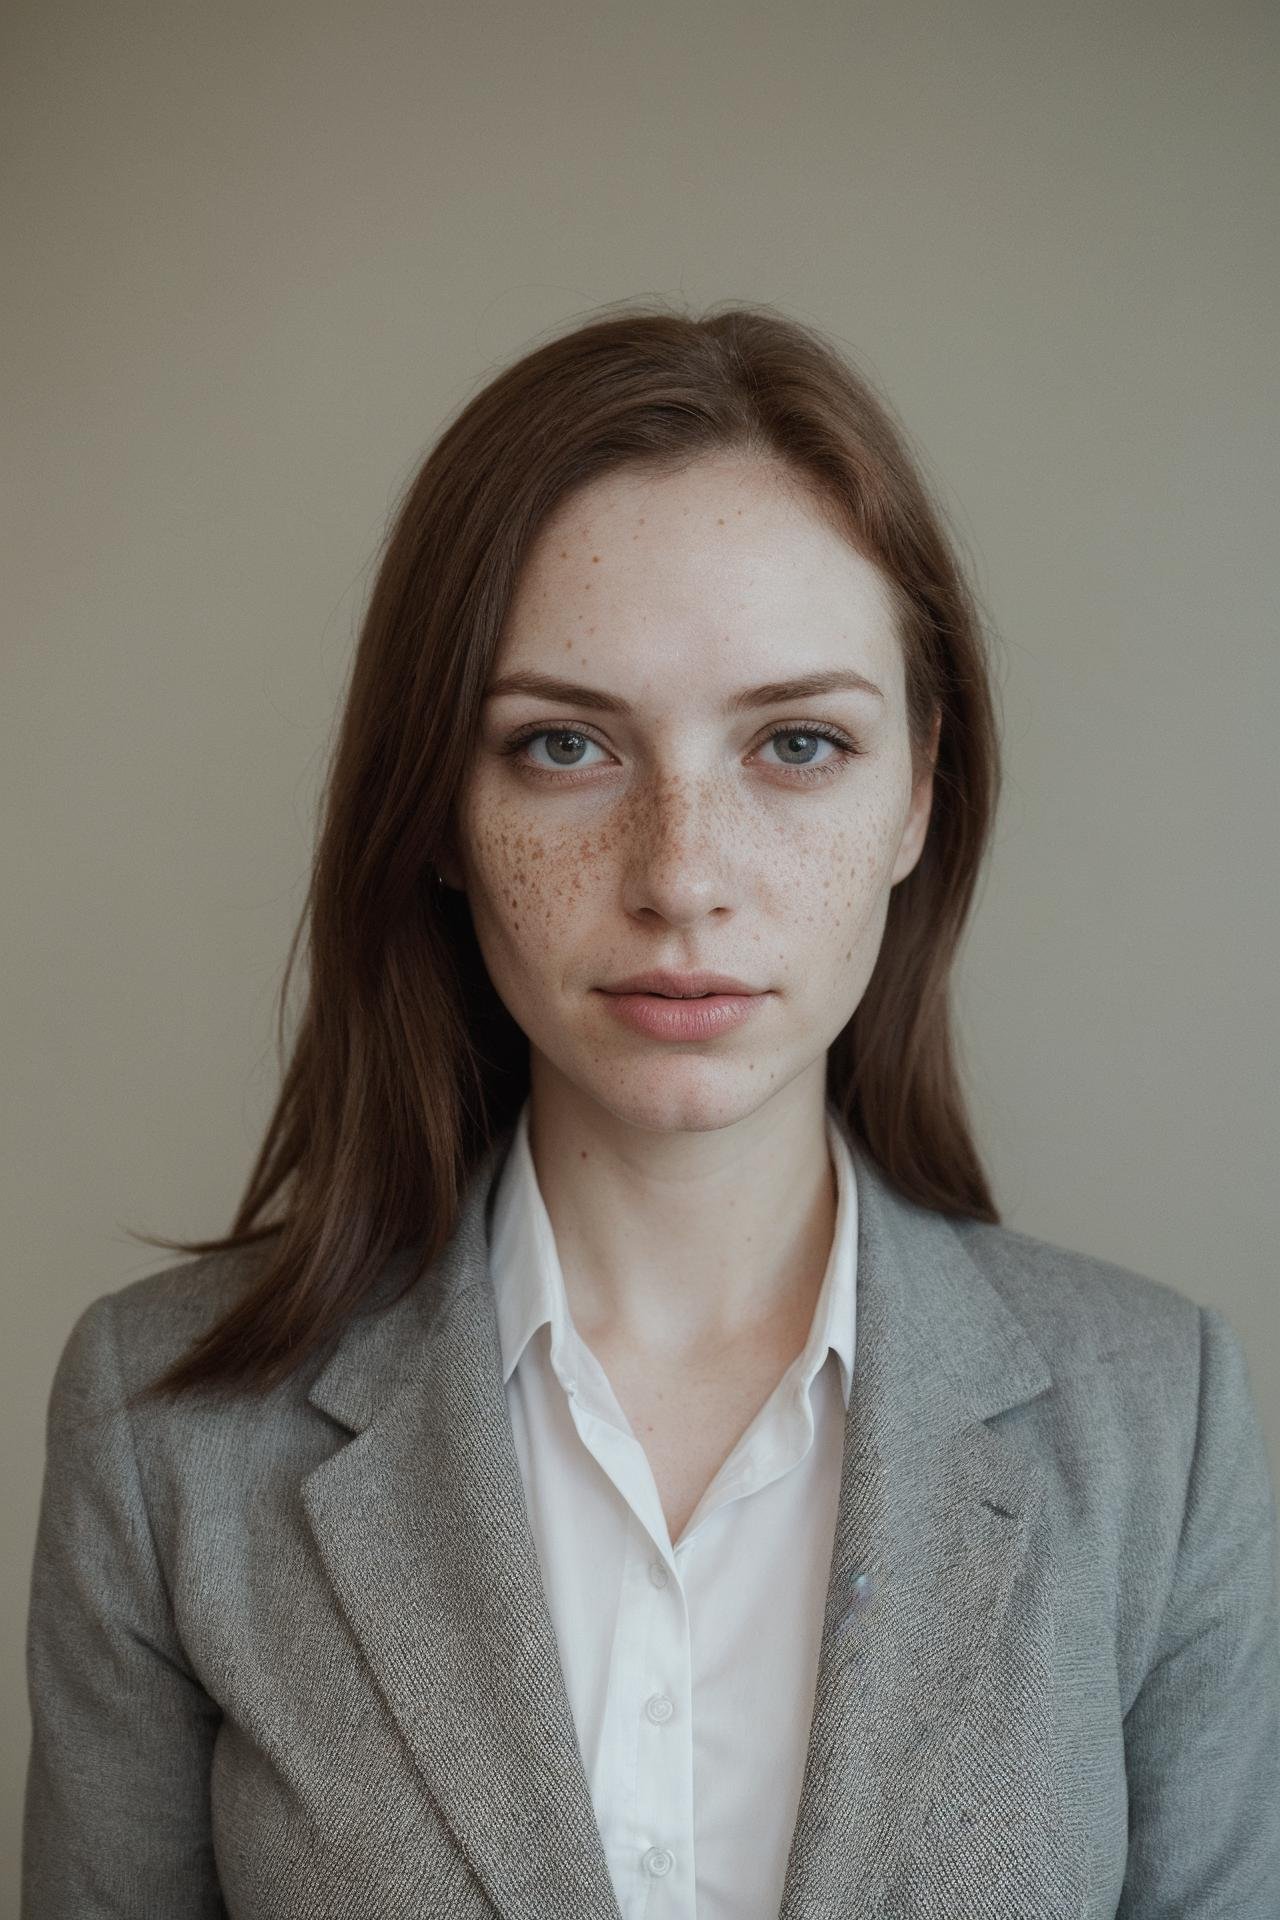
935,1764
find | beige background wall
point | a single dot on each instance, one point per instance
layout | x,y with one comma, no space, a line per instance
252,257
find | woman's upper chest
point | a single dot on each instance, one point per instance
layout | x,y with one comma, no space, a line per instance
688,1419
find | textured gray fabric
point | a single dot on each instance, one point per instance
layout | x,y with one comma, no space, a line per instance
292,1657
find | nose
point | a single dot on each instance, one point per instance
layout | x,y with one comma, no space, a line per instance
685,858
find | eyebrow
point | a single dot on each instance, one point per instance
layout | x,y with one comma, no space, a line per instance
546,686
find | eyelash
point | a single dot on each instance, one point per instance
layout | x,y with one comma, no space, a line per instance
823,771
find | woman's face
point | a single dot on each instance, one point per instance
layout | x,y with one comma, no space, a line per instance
667,815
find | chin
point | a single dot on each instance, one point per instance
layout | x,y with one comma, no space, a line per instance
681,1096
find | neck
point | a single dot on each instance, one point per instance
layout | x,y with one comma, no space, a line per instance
685,1245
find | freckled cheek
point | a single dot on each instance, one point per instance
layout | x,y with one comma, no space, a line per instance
524,887
849,872
513,890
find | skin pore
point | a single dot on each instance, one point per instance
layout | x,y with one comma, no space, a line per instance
688,1183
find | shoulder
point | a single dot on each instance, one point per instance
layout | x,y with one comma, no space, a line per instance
1151,1394
183,1461
134,1331
1124,1354
1082,1311
126,1337
1150,1432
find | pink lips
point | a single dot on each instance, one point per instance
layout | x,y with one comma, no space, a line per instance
677,985
701,1018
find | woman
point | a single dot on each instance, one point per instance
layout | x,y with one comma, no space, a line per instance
617,1462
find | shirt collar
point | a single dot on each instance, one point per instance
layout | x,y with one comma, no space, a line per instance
528,1280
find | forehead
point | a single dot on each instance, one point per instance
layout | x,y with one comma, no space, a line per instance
727,567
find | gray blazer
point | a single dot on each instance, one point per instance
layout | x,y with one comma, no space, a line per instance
292,1659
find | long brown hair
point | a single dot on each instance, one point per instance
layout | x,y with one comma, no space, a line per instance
405,1065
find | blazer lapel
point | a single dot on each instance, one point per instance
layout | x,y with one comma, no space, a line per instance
934,1782
422,1526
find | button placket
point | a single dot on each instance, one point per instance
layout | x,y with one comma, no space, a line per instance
663,1779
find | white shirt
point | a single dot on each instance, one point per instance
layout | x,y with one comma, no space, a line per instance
690,1672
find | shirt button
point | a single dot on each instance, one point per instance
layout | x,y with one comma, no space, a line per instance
658,1860
659,1708
657,1573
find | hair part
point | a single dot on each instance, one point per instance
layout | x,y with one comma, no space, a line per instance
405,1065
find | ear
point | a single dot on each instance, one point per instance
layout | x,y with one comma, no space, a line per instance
917,822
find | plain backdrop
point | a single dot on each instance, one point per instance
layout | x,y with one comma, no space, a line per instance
255,255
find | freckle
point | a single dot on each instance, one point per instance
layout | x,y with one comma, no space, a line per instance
564,553
719,523
595,557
